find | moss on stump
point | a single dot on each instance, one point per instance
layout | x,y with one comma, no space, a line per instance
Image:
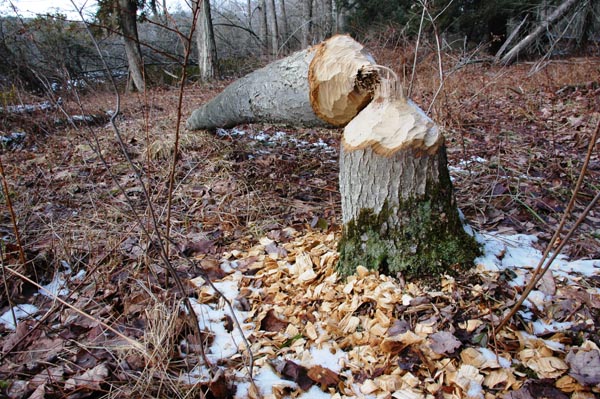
415,235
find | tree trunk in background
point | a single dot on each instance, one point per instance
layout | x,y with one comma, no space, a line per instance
127,14
274,29
328,18
560,11
284,27
207,48
307,23
263,26
398,207
340,17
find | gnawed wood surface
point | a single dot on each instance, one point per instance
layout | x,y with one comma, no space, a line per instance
279,92
341,82
398,208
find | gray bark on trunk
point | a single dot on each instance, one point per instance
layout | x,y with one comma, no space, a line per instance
263,28
327,83
128,25
307,24
207,48
398,207
277,93
399,214
274,29
284,26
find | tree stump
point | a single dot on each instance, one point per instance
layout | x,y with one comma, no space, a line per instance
398,208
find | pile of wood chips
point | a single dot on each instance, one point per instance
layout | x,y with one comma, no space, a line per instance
407,340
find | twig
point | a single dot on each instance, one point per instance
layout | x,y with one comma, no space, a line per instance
162,250
540,269
130,340
13,216
414,68
196,11
238,325
5,281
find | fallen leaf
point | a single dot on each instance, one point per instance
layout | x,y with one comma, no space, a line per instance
272,323
443,342
585,365
91,379
298,374
323,376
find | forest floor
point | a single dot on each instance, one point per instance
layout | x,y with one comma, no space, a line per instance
256,210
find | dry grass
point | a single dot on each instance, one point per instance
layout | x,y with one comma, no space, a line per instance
230,192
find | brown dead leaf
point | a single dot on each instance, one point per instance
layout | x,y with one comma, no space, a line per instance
323,376
272,323
585,364
443,342
298,374
547,284
39,393
91,379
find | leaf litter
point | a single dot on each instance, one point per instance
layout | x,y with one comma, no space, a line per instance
259,212
357,338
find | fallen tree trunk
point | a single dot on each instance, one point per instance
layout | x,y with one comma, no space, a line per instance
398,208
325,84
560,11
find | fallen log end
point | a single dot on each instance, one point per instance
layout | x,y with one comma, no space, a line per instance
337,79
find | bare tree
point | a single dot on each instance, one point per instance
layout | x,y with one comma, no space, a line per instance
284,25
207,49
263,26
307,23
328,18
127,18
274,29
560,11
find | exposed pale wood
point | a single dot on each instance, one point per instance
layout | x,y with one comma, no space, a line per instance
279,92
340,79
398,209
390,123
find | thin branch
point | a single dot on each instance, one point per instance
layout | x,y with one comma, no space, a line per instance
13,216
540,269
414,67
162,250
130,340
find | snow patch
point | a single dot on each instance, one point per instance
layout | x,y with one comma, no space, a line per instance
21,312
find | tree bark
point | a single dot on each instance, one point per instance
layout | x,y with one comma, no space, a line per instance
398,208
560,11
127,12
207,48
324,84
263,27
307,23
328,24
274,29
284,26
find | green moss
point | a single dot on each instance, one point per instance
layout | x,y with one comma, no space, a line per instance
418,237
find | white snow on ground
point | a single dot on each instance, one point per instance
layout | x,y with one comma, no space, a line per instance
277,138
21,312
514,252
517,251
213,315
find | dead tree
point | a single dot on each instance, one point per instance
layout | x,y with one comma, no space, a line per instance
399,212
398,208
538,31
324,84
